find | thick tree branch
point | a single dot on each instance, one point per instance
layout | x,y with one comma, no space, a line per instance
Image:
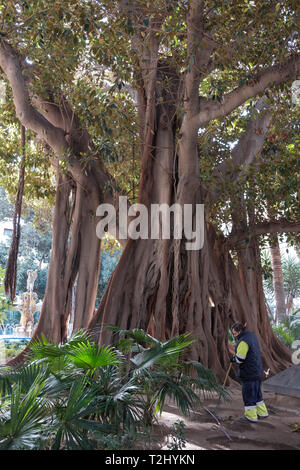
27,114
271,75
244,153
249,144
263,228
59,115
198,53
199,62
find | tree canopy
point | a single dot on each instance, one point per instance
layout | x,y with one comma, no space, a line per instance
87,52
162,101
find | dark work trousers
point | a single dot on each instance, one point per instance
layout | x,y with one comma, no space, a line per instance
251,392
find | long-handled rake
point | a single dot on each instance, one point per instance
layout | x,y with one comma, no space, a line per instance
224,383
221,427
227,373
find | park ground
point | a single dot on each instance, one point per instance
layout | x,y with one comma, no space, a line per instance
280,431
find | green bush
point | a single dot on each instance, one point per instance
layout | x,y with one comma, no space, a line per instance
9,349
288,330
178,441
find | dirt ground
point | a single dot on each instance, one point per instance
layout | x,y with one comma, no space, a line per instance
202,432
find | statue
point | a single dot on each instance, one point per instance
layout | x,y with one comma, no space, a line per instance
28,305
31,277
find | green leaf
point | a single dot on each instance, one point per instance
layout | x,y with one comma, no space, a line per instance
90,356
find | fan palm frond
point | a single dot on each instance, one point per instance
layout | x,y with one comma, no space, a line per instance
72,417
165,353
205,380
24,375
90,356
24,419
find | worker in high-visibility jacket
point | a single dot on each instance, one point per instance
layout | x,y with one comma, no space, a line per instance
250,371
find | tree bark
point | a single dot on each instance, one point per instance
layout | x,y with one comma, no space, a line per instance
278,281
56,304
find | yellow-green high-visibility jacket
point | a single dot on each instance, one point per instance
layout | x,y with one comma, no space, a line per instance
247,356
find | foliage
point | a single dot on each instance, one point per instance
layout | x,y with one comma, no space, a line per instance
12,318
288,330
162,373
178,441
110,254
284,334
291,276
10,348
78,395
6,209
85,58
5,304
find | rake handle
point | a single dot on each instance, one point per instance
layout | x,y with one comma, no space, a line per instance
227,373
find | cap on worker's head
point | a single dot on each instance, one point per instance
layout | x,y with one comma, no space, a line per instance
238,327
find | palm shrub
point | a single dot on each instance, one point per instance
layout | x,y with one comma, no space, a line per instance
115,397
41,409
161,372
23,417
72,424
79,395
68,387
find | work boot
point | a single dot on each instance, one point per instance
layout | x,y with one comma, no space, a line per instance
244,420
251,413
261,410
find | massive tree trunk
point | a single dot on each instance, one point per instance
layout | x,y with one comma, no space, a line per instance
145,265
205,286
278,281
160,286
